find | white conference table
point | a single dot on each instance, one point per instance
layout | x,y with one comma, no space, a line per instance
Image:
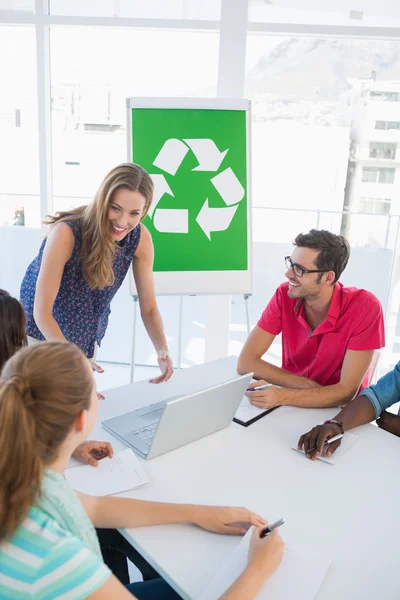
349,511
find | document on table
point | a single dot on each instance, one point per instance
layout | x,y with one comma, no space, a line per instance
247,413
118,474
347,442
299,576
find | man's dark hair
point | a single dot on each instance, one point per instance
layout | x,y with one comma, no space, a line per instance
334,250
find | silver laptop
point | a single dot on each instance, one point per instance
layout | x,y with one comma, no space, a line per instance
174,422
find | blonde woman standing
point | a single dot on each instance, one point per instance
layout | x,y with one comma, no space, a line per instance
68,288
48,545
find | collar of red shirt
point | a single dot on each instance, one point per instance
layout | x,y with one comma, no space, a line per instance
329,323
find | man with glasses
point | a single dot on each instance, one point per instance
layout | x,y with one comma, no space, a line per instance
329,331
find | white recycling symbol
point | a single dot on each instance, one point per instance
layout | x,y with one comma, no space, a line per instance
176,220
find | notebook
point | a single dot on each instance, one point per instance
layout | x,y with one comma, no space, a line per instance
299,576
247,414
347,442
114,475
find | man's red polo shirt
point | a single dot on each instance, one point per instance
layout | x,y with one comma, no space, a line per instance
354,322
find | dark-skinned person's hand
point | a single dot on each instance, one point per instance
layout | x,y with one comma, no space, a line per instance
313,441
389,422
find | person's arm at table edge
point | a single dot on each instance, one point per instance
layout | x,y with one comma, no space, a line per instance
355,365
372,401
247,585
264,557
114,512
250,361
143,274
142,266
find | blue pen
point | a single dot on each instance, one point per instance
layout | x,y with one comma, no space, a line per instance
262,387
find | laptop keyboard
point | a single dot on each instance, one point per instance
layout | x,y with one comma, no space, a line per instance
146,434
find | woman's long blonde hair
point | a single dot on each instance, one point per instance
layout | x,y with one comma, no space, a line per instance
43,389
98,248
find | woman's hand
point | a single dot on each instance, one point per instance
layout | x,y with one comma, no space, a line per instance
91,451
226,519
166,366
97,369
267,553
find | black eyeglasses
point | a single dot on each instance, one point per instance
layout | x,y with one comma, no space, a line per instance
299,271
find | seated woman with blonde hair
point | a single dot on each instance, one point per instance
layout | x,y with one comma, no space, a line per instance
48,544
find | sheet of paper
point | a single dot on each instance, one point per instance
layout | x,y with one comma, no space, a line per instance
347,441
299,576
246,411
118,474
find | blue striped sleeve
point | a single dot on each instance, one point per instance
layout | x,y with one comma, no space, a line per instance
70,572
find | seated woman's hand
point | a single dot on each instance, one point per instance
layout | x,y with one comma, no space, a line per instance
226,519
266,554
92,451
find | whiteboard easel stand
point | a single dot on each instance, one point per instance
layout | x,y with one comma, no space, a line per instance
135,302
246,303
180,329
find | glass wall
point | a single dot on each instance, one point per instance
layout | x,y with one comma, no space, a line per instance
19,166
90,85
150,9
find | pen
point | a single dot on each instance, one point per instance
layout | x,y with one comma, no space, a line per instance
332,439
261,387
268,529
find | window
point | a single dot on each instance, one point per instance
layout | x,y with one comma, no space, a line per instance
148,9
316,12
305,120
379,206
386,175
17,5
385,96
387,125
369,174
90,87
376,175
19,181
382,150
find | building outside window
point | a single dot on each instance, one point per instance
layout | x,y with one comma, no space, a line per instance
377,175
385,96
382,150
387,125
378,206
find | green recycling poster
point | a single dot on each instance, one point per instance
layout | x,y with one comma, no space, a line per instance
197,159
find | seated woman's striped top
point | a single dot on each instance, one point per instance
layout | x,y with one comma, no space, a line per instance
43,561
